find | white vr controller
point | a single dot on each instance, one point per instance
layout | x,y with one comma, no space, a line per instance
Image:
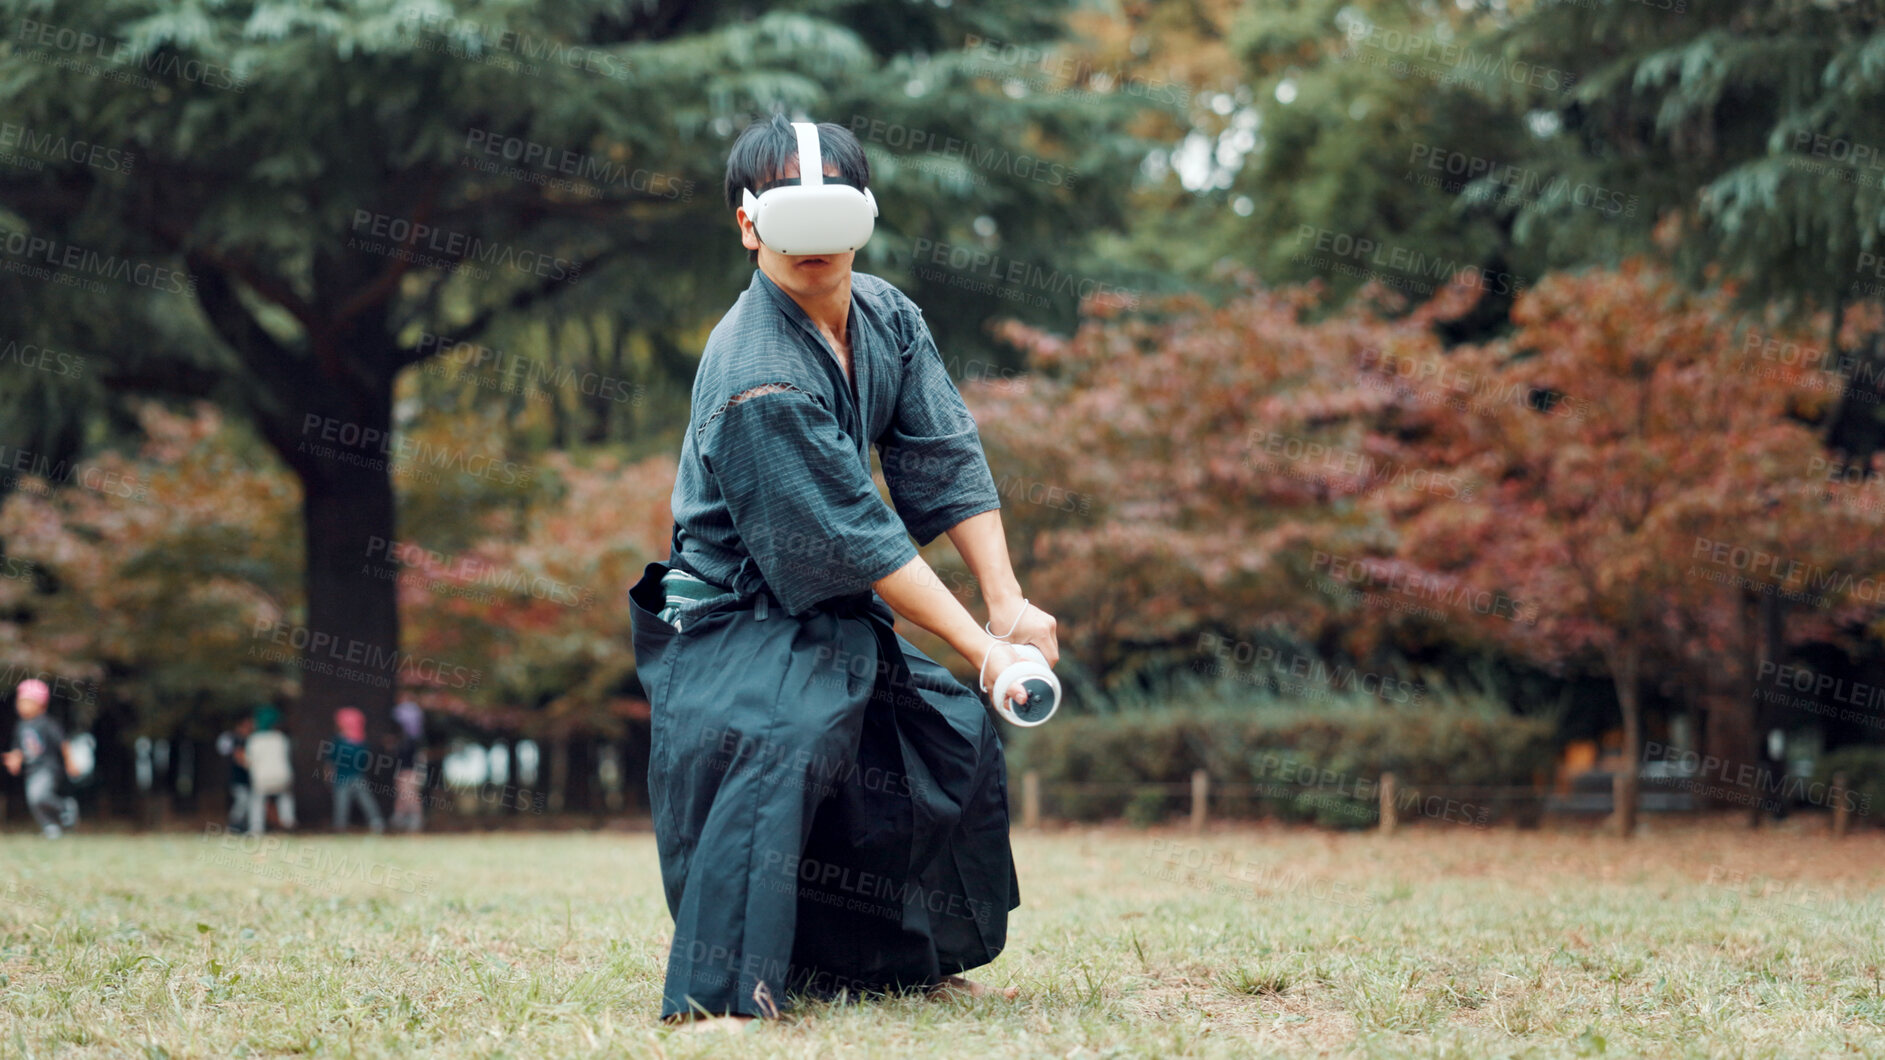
1031,672
811,213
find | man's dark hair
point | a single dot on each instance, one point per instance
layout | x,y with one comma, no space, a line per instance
762,151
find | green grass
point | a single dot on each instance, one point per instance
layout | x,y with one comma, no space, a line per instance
1440,942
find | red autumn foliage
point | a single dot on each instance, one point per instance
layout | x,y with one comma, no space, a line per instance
1558,493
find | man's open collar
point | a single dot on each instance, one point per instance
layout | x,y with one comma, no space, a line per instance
856,383
792,310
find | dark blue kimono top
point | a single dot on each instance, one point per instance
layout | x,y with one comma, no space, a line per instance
775,489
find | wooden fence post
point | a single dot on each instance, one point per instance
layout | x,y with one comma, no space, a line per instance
1200,798
1840,820
1030,799
1389,815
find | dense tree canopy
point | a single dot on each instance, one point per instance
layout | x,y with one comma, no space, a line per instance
290,204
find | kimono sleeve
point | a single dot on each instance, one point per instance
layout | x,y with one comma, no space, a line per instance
800,499
931,452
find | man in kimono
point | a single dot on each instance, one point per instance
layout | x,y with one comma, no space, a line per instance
830,804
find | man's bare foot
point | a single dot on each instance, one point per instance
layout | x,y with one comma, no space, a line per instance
956,986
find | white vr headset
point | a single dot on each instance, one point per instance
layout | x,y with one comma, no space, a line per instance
811,213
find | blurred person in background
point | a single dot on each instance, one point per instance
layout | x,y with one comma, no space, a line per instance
271,773
348,756
409,766
39,749
233,745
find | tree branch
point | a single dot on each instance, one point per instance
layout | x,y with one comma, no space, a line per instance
381,287
176,237
523,299
274,370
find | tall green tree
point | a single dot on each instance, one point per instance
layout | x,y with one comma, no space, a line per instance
1331,142
283,205
1755,131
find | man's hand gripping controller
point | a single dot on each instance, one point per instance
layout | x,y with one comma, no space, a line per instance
1031,672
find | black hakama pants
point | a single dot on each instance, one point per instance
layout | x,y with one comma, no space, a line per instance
830,804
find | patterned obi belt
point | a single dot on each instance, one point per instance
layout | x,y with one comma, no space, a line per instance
685,594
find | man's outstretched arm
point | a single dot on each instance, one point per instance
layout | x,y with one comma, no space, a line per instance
914,592
984,547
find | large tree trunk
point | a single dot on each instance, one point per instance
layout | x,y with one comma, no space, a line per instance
1761,717
558,773
1730,746
327,412
1854,429
350,654
1626,669
116,767
581,794
635,751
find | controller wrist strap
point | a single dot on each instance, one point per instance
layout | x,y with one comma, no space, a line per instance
982,671
1017,621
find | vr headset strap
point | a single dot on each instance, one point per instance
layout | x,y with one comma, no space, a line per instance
811,160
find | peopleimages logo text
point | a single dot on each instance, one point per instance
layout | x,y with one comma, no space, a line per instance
416,237
86,261
317,644
123,54
355,439
1762,567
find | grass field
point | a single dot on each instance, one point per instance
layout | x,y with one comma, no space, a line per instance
1449,941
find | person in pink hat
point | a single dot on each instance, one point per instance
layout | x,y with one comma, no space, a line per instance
349,756
39,750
